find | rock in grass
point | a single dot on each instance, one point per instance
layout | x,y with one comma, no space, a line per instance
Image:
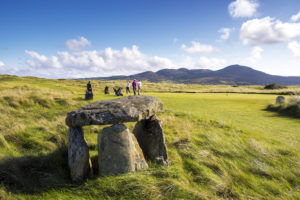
280,100
150,136
118,151
89,95
126,109
78,155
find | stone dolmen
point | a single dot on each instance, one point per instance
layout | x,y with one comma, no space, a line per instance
119,151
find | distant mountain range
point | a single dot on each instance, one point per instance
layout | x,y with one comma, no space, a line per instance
231,75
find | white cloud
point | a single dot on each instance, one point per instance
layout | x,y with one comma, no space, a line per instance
107,62
225,33
296,17
42,61
198,48
204,63
268,30
212,63
95,63
1,64
295,48
255,54
77,44
243,8
4,69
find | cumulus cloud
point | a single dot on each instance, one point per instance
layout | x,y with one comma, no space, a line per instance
296,17
77,44
198,48
4,69
107,62
212,63
225,33
243,8
1,64
204,63
42,61
255,54
295,48
268,30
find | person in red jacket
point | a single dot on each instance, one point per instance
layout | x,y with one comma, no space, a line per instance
134,87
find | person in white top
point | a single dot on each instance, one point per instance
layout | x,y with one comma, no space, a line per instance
139,86
127,87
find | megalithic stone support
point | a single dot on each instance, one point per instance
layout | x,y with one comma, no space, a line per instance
150,135
78,155
118,151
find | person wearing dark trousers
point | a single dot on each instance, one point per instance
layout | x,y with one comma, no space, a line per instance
139,86
106,90
134,87
127,87
89,86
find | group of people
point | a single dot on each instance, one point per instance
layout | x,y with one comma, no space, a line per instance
134,85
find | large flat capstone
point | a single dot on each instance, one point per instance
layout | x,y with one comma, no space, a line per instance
126,109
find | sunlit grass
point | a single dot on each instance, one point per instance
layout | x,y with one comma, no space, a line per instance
221,146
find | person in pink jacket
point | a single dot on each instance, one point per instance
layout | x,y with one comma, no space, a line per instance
134,87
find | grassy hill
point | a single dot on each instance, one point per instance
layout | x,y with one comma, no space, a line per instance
231,75
221,145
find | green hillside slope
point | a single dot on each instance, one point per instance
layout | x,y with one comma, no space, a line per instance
221,146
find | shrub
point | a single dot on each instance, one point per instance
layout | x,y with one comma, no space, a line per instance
274,86
291,108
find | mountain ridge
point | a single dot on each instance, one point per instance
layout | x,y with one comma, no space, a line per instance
231,75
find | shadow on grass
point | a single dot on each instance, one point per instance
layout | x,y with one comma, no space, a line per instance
79,98
35,174
291,111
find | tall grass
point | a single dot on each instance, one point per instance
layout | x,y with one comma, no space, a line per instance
220,146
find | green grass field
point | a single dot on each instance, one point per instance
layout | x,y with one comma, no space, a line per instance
221,145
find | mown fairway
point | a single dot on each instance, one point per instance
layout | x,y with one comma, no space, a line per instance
222,146
241,111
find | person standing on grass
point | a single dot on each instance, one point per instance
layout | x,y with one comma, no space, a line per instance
139,86
134,87
89,86
106,90
127,87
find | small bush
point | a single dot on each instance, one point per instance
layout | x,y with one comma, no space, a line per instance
292,108
294,100
274,86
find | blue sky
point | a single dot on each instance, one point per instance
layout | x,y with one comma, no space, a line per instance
68,39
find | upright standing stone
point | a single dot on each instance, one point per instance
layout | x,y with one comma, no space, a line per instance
280,100
118,151
78,155
150,135
89,95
